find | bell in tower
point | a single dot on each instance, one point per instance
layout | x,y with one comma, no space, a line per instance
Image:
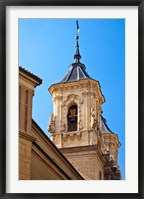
72,118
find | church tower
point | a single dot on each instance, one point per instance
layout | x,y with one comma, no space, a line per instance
76,125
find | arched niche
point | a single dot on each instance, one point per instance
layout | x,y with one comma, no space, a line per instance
72,117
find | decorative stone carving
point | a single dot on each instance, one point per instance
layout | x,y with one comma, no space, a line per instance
105,148
99,141
93,119
59,97
64,129
80,101
85,94
51,127
73,96
111,157
80,125
92,94
53,99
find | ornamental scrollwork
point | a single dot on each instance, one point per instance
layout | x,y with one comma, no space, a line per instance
73,96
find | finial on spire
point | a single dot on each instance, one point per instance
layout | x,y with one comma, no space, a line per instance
77,56
77,26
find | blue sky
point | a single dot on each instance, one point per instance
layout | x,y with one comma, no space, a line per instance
46,48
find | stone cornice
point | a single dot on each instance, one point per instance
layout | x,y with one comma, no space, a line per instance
79,148
29,77
87,84
79,83
27,136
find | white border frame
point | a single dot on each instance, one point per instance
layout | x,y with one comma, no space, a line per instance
130,185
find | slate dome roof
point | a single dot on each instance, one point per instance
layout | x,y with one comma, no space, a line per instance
105,128
76,72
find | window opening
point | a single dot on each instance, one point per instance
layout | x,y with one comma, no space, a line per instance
72,118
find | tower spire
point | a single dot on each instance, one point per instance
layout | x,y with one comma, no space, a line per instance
77,55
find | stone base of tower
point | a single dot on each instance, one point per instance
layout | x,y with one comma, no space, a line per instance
88,160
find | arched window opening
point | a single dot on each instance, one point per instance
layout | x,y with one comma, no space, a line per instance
72,118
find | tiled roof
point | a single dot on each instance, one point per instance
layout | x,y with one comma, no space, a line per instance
30,74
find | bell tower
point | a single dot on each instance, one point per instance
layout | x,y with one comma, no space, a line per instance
76,122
